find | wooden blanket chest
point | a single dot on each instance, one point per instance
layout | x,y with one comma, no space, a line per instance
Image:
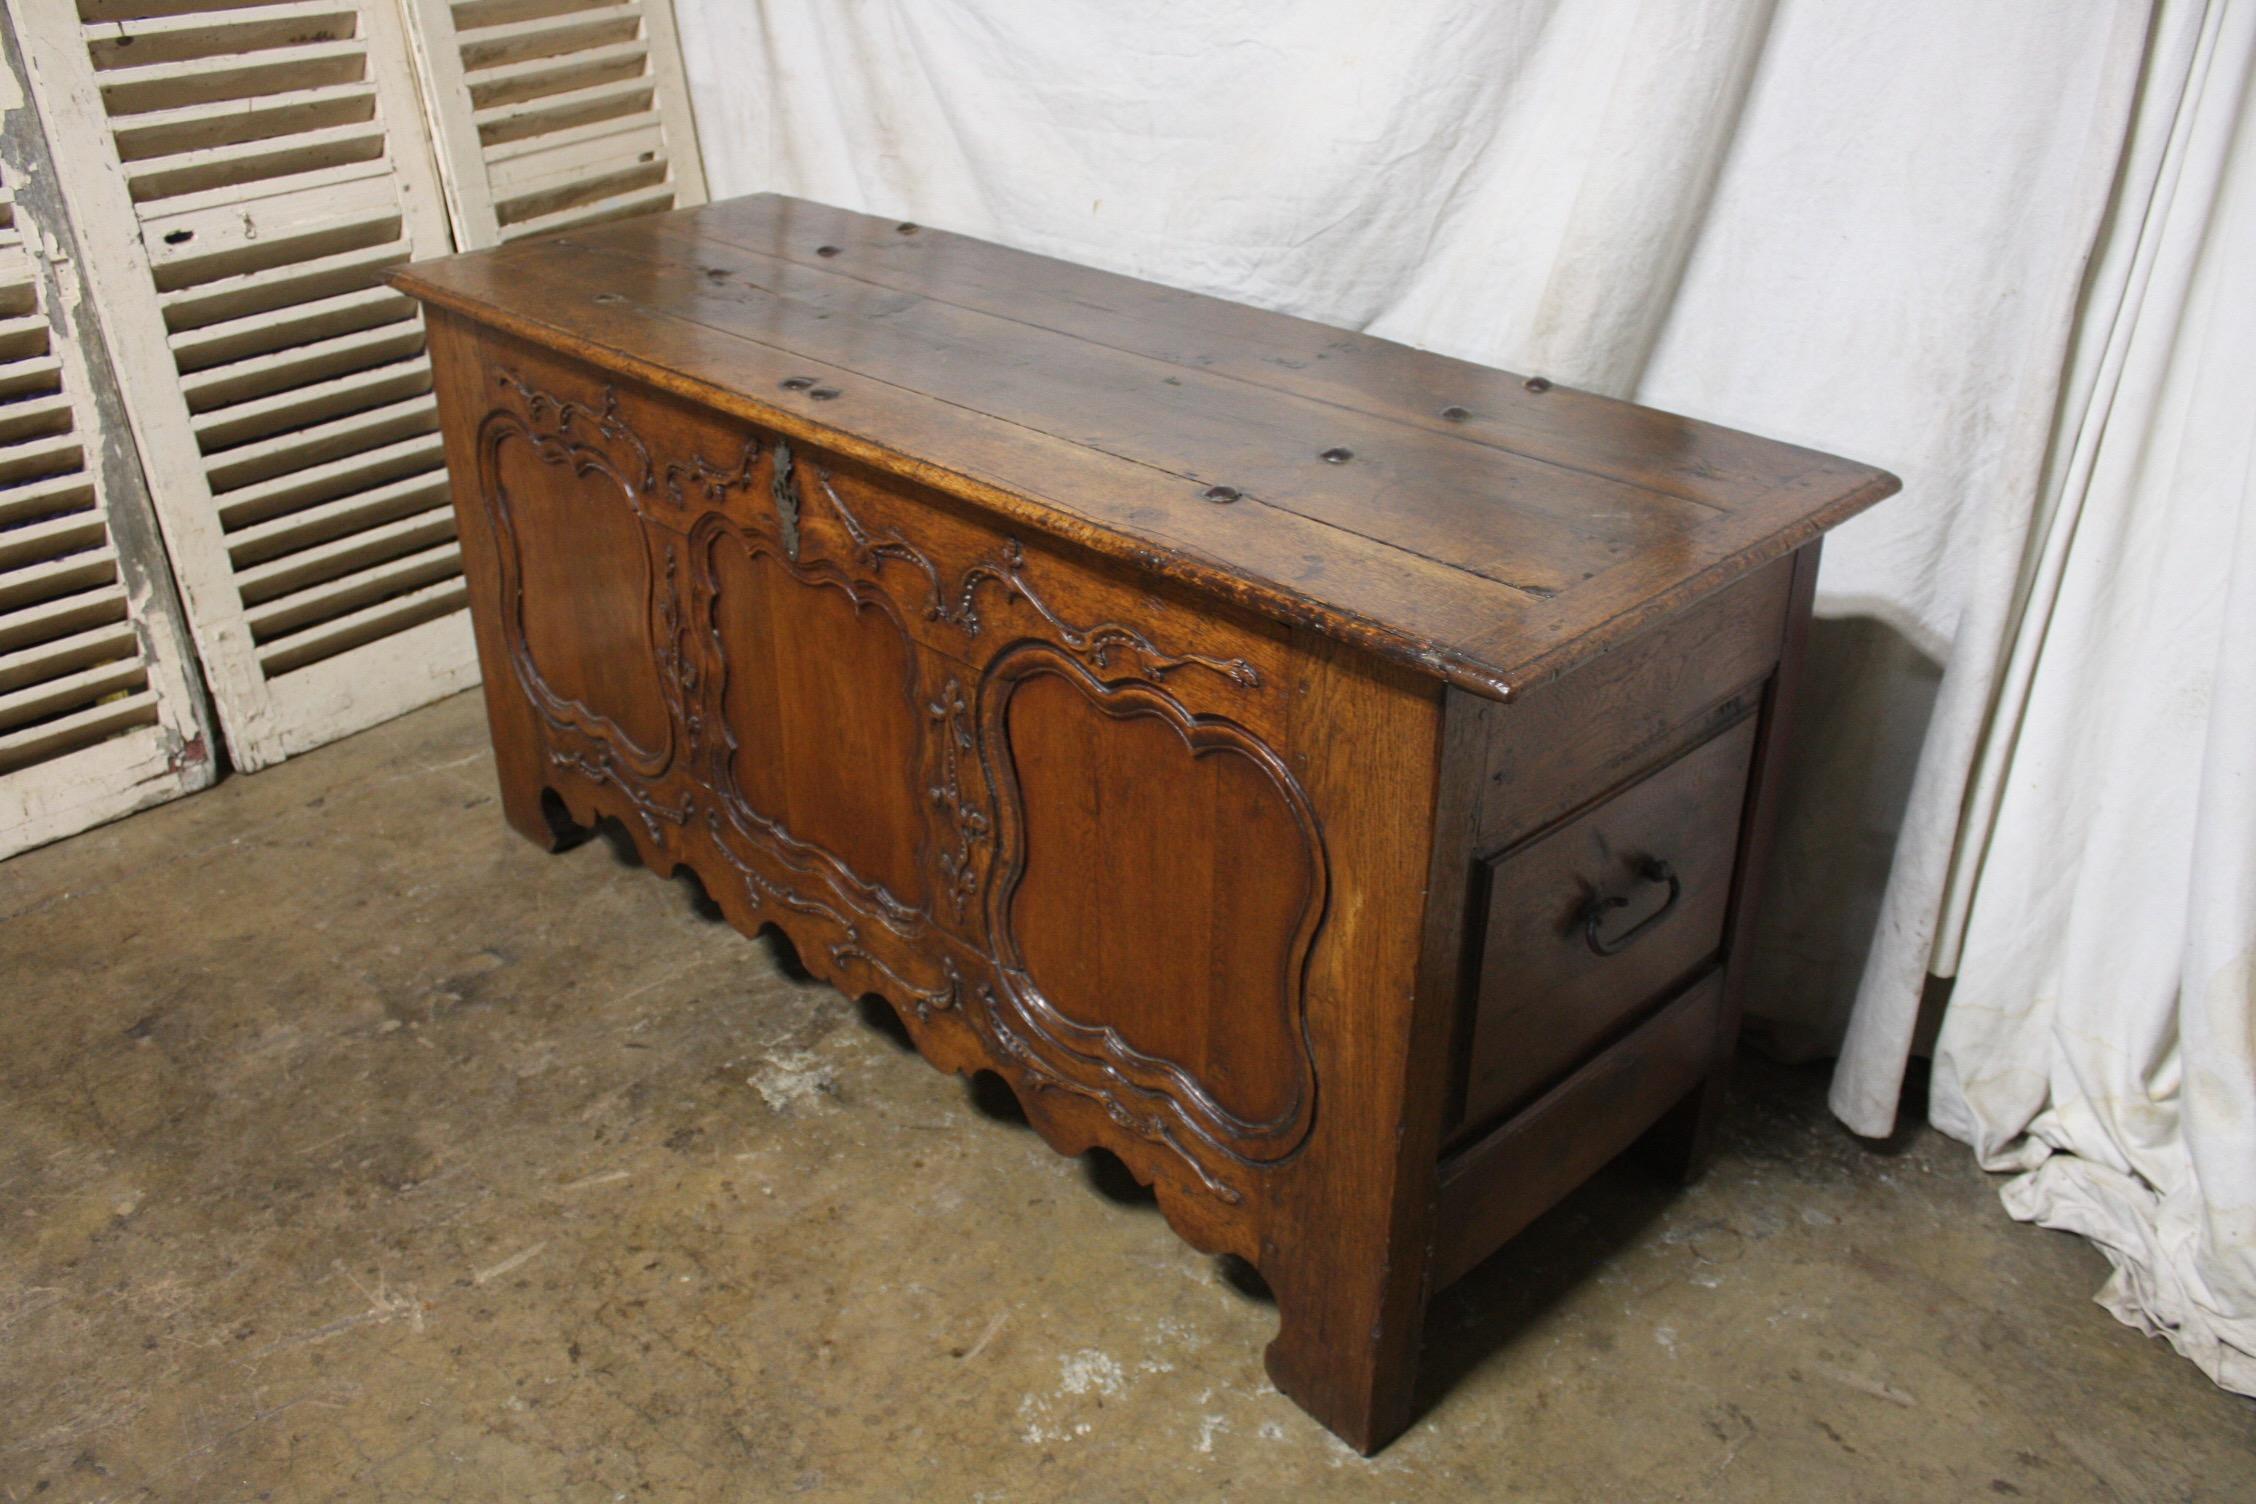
1329,776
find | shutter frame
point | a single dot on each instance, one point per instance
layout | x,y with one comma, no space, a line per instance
161,243
146,737
494,190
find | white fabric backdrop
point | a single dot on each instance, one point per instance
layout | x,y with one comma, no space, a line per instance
1862,228
2102,1033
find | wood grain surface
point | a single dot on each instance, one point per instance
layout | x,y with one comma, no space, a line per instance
1489,529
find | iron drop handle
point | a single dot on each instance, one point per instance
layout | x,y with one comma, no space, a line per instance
1653,870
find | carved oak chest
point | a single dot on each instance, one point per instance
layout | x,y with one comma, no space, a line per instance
1329,776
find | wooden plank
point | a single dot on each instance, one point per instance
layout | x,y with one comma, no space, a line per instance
1292,357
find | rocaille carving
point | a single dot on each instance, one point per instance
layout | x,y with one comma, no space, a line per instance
1041,1075
711,483
960,608
959,868
926,1002
564,415
1097,643
597,767
872,550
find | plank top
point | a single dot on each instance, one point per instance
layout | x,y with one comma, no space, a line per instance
1489,529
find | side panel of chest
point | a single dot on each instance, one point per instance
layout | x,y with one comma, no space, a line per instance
1015,789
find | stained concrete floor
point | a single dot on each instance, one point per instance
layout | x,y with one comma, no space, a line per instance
352,1149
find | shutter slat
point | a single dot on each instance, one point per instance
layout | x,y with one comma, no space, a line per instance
481,39
219,122
298,407
294,191
171,180
361,588
305,449
188,82
312,526
281,286
70,692
51,739
260,376
359,550
263,333
517,118
61,655
550,73
54,541
59,616
370,624
319,483
35,584
34,417
218,239
72,491
639,201
33,373
512,164
23,337
40,459
197,32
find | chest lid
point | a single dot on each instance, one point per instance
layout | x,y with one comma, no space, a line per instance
1487,528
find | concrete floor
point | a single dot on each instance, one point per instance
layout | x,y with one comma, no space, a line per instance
352,1149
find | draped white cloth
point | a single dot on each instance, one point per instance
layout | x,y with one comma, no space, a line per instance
2000,249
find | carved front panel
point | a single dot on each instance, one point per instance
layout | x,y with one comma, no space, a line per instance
1013,790
584,608
820,711
1160,883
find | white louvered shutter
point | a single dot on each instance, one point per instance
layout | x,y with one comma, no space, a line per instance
100,713
555,113
240,173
